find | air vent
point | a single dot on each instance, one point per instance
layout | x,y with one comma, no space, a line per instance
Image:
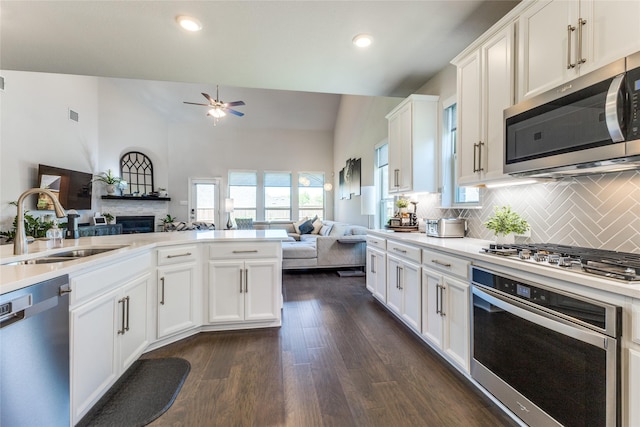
73,115
1,83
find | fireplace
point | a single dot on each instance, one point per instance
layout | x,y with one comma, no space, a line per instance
137,224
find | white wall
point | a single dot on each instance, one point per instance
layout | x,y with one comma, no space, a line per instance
360,125
204,150
36,129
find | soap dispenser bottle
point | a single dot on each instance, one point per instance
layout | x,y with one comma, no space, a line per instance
54,236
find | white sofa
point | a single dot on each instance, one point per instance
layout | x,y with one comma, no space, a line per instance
343,245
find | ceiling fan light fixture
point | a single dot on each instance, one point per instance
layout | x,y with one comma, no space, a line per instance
189,23
217,113
363,40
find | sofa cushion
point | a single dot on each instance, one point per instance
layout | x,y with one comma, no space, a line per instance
299,250
297,224
317,225
325,229
339,229
306,227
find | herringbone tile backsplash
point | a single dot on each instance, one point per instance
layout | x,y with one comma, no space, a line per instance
599,211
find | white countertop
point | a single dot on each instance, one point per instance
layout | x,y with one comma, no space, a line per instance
14,277
472,248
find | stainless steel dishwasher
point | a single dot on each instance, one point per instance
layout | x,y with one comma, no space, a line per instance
34,355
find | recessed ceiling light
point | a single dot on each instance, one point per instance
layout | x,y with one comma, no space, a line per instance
362,40
189,23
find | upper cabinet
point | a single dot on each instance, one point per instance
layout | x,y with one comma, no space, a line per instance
485,89
413,130
559,40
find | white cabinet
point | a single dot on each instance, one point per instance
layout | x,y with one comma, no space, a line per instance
413,130
485,89
377,268
446,306
109,331
244,283
177,290
560,40
403,283
634,388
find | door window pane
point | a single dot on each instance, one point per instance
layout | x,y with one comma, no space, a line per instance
205,209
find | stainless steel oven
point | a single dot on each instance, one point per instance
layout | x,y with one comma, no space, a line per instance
551,357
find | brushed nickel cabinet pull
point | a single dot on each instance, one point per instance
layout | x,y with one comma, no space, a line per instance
126,328
373,259
400,250
570,29
121,331
580,59
162,298
475,158
179,255
442,313
246,280
396,177
444,264
246,252
480,168
400,278
438,311
241,281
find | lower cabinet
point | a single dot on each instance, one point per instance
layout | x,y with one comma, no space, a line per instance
377,273
244,290
403,290
634,388
445,315
108,334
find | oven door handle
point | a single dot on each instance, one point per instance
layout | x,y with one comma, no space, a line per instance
544,319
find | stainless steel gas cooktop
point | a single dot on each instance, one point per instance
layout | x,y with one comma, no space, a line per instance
621,266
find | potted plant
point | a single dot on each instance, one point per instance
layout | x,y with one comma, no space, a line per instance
109,179
167,221
505,223
402,204
108,217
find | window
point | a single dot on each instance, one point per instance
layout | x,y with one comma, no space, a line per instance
452,195
277,196
385,209
243,190
310,195
137,170
203,203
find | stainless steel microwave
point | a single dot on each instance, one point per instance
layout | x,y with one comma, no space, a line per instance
588,125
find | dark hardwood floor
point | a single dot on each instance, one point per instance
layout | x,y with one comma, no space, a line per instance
339,359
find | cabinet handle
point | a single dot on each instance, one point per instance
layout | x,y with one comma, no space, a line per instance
400,250
373,268
438,311
179,255
396,177
444,264
246,280
441,291
580,59
400,278
121,331
162,294
246,252
570,29
240,280
480,168
475,158
127,301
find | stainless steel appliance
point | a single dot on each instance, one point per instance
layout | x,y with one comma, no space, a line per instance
34,355
551,357
589,125
446,227
621,266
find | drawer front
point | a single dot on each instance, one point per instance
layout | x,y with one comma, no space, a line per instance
228,250
177,254
447,263
101,280
376,242
409,252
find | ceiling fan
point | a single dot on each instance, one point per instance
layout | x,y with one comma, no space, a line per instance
218,108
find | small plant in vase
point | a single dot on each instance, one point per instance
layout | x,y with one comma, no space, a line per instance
167,221
505,222
402,205
108,217
109,179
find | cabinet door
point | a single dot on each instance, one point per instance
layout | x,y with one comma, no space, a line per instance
543,48
411,295
432,322
394,293
456,313
497,94
132,321
611,32
634,388
377,274
400,167
261,291
469,119
176,298
93,351
226,291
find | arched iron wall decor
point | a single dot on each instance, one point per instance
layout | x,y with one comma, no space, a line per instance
137,170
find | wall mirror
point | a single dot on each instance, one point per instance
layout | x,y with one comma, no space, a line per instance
137,170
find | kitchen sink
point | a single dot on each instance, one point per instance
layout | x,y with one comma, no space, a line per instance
69,255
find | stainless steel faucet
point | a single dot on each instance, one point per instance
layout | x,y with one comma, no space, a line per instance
20,239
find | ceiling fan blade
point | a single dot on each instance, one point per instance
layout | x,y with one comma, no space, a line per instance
211,100
237,113
233,104
195,103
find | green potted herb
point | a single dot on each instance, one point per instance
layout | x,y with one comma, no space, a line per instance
108,217
167,221
505,222
109,179
402,205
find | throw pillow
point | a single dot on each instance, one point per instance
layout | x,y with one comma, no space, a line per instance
306,227
325,230
296,225
317,225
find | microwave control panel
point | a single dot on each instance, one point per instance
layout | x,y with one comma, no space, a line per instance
633,87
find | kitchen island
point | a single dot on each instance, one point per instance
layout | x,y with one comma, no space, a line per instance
134,293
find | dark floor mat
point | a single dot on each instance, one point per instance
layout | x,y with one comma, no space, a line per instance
141,395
